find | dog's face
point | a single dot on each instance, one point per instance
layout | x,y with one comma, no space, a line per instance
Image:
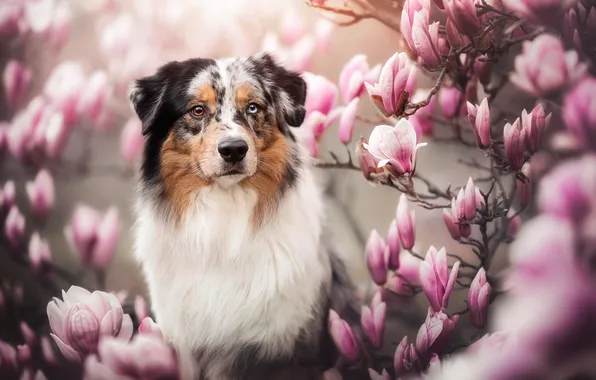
219,118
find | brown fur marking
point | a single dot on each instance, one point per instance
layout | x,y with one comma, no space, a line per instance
204,94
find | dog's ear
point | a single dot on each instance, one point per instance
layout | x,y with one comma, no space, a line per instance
147,96
292,89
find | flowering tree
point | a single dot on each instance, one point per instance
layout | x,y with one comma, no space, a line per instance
534,321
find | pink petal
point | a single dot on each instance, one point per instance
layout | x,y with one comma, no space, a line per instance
68,352
127,328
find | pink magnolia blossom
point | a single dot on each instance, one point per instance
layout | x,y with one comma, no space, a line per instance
131,140
483,69
368,163
59,30
514,223
410,8
117,37
39,252
422,120
394,245
395,146
402,359
534,124
396,82
425,39
147,326
463,210
51,135
347,121
92,101
377,258
323,31
409,267
24,355
544,66
300,55
16,79
343,336
321,94
406,223
436,280
145,357
11,14
14,226
372,320
579,112
47,351
9,192
514,145
463,15
353,76
3,135
454,37
433,336
398,285
291,27
80,318
64,88
451,101
540,11
41,193
28,335
140,307
478,299
480,118
92,237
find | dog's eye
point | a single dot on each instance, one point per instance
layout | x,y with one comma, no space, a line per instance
252,108
197,112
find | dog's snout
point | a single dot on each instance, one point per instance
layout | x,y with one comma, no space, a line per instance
233,150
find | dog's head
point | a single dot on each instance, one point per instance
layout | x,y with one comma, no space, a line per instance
218,122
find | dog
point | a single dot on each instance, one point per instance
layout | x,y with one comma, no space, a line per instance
229,228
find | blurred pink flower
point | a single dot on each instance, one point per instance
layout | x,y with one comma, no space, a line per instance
321,93
291,27
455,39
513,137
540,11
436,280
131,140
41,193
64,88
323,30
478,299
372,320
406,223
92,100
579,112
140,307
343,336
353,76
463,15
24,356
393,245
409,267
377,257
396,83
347,121
81,317
545,67
425,38
145,357
433,336
422,120
47,351
59,30
14,226
395,146
28,335
368,163
451,101
3,135
16,79
398,285
480,118
9,192
402,359
117,36
11,13
514,223
300,55
52,134
39,252
483,69
147,326
534,124
92,237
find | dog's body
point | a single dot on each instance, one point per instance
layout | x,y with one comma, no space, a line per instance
229,221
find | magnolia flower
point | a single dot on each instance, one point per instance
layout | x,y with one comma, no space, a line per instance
533,125
353,76
478,299
395,146
514,145
291,27
377,258
140,307
64,88
14,226
393,245
92,101
396,83
16,80
433,336
368,163
131,139
372,320
450,101
145,357
463,209
579,114
463,15
347,121
435,279
480,118
147,326
425,39
117,36
321,94
544,67
343,336
92,237
407,18
406,226
80,318
39,252
41,193
9,192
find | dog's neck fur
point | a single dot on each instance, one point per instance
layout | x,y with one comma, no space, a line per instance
217,285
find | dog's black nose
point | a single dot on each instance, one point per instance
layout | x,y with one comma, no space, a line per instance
233,150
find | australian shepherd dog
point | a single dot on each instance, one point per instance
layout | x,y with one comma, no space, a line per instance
229,221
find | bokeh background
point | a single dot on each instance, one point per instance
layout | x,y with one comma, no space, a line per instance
130,38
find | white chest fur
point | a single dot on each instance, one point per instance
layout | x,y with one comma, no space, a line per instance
215,282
